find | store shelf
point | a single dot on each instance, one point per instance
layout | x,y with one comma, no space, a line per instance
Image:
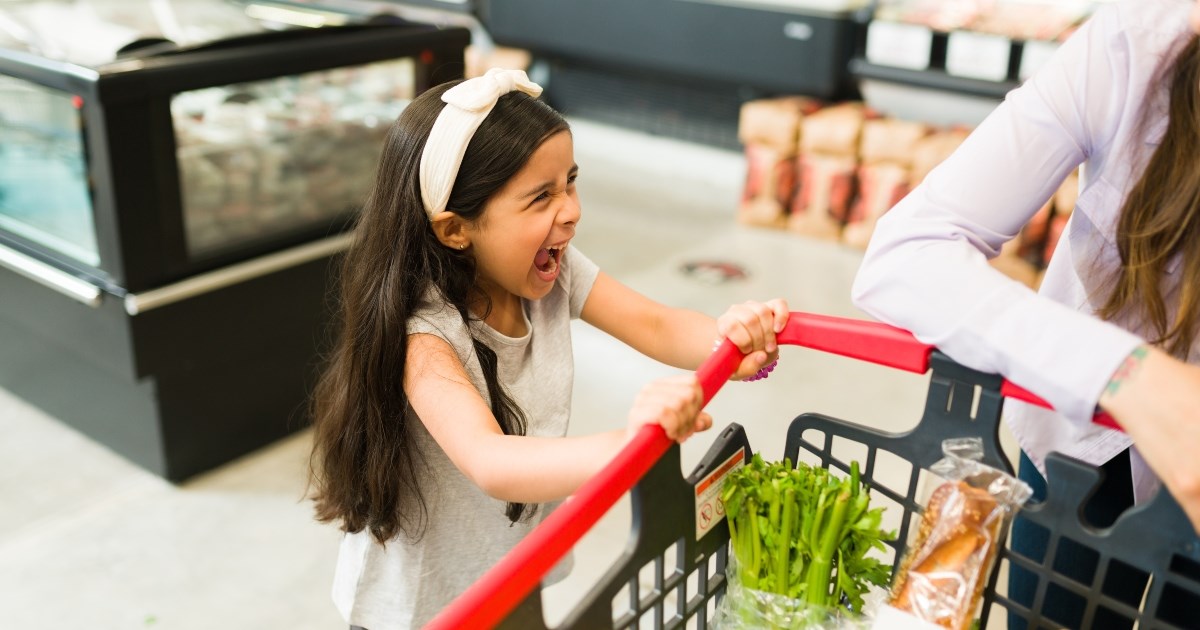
964,48
933,78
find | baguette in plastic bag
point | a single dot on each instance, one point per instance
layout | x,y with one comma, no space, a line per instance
946,568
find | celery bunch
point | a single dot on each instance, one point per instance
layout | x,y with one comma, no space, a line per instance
804,533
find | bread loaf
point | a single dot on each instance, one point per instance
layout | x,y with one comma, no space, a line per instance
880,186
1012,264
775,122
942,577
1064,203
891,140
886,155
835,130
822,200
770,130
770,185
931,150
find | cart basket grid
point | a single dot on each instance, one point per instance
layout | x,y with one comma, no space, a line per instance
672,573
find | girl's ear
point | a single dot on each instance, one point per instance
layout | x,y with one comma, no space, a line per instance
451,230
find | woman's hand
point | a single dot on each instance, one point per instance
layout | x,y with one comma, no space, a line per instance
673,402
752,326
1156,399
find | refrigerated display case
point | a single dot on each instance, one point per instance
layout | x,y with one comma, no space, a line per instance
680,67
176,177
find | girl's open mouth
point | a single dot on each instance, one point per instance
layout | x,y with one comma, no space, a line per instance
547,260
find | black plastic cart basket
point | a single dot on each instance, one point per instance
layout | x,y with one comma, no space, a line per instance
680,537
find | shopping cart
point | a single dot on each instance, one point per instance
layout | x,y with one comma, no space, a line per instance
672,574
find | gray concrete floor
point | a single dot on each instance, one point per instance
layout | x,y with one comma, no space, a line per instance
88,540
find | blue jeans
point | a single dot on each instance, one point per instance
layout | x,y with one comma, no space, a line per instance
1123,583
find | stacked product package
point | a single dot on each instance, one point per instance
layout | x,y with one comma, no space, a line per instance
827,164
885,174
770,131
830,172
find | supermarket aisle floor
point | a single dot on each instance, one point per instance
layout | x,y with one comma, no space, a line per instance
90,541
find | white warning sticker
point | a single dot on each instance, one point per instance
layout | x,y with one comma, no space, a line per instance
709,509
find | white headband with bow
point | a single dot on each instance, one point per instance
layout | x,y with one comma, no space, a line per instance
467,104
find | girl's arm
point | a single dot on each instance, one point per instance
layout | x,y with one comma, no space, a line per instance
525,469
1156,399
680,337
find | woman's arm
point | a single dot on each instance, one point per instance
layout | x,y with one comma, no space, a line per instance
527,469
680,337
926,268
1156,399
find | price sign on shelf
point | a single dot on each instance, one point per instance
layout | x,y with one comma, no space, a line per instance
1034,54
899,45
978,55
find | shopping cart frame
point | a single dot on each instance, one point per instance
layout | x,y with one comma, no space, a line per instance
1155,538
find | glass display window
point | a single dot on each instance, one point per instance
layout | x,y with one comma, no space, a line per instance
263,157
45,195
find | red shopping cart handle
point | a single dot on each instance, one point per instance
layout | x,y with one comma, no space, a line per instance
857,339
1010,390
501,589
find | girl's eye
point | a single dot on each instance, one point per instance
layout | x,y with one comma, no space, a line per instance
542,196
571,179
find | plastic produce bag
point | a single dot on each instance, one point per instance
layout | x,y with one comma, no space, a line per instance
745,608
804,545
945,569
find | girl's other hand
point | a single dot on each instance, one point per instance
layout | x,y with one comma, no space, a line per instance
672,402
752,327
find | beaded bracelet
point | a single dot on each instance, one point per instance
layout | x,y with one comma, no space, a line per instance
762,373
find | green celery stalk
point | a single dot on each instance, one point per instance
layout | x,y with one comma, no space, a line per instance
755,544
785,539
854,483
773,534
817,589
818,519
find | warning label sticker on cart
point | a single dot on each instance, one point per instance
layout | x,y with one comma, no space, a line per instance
709,509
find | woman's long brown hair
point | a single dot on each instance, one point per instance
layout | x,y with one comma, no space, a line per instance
364,467
1161,220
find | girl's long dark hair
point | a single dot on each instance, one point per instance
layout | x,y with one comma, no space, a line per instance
1161,219
364,467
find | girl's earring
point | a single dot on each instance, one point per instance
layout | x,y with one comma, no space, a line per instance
462,245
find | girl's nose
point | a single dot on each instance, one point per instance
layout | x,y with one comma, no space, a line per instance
570,211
